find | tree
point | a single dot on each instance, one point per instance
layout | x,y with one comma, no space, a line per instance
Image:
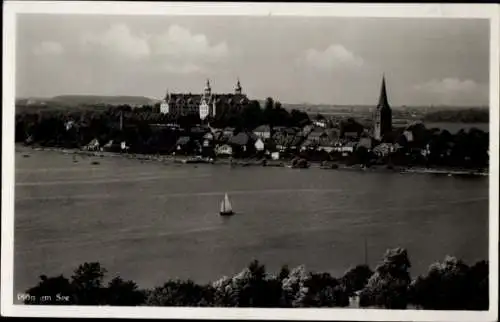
87,282
319,117
180,293
252,115
356,278
293,287
302,289
387,287
284,273
269,104
479,286
269,111
51,291
452,285
123,293
322,290
299,118
252,287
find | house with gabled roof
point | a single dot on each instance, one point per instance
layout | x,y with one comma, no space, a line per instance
259,145
316,135
242,143
263,132
187,145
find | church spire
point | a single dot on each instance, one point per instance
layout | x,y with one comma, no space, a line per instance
383,102
382,115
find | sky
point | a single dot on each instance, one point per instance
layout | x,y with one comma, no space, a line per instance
316,60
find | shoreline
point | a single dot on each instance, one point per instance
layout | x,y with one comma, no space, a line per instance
251,162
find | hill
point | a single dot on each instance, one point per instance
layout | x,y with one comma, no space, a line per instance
79,100
97,99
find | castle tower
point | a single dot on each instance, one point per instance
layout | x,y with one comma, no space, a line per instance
204,108
238,89
164,105
208,90
382,118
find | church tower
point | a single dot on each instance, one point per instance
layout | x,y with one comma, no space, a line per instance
382,118
238,89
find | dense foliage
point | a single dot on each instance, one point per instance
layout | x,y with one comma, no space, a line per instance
47,126
448,285
388,286
452,285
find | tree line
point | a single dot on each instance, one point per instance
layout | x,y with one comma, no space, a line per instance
47,126
448,285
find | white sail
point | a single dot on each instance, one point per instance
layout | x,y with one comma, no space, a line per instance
228,204
225,205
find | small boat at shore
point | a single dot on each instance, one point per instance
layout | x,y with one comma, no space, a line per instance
225,207
298,163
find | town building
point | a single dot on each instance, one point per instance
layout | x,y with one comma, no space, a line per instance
263,132
382,116
259,145
224,149
205,104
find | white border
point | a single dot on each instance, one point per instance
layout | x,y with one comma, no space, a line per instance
489,11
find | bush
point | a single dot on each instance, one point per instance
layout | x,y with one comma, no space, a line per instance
452,285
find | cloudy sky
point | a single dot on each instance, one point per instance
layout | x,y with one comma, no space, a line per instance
296,60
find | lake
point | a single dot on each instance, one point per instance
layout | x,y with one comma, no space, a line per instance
150,222
453,128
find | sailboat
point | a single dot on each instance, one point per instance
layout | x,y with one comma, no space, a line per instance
225,207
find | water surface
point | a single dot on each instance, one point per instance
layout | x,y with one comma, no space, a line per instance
150,222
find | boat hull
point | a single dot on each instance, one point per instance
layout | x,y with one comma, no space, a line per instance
226,213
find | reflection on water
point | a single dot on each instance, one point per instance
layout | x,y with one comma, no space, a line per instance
150,222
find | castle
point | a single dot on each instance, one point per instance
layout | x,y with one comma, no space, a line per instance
382,116
205,104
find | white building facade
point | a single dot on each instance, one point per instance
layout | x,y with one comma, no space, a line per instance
205,104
